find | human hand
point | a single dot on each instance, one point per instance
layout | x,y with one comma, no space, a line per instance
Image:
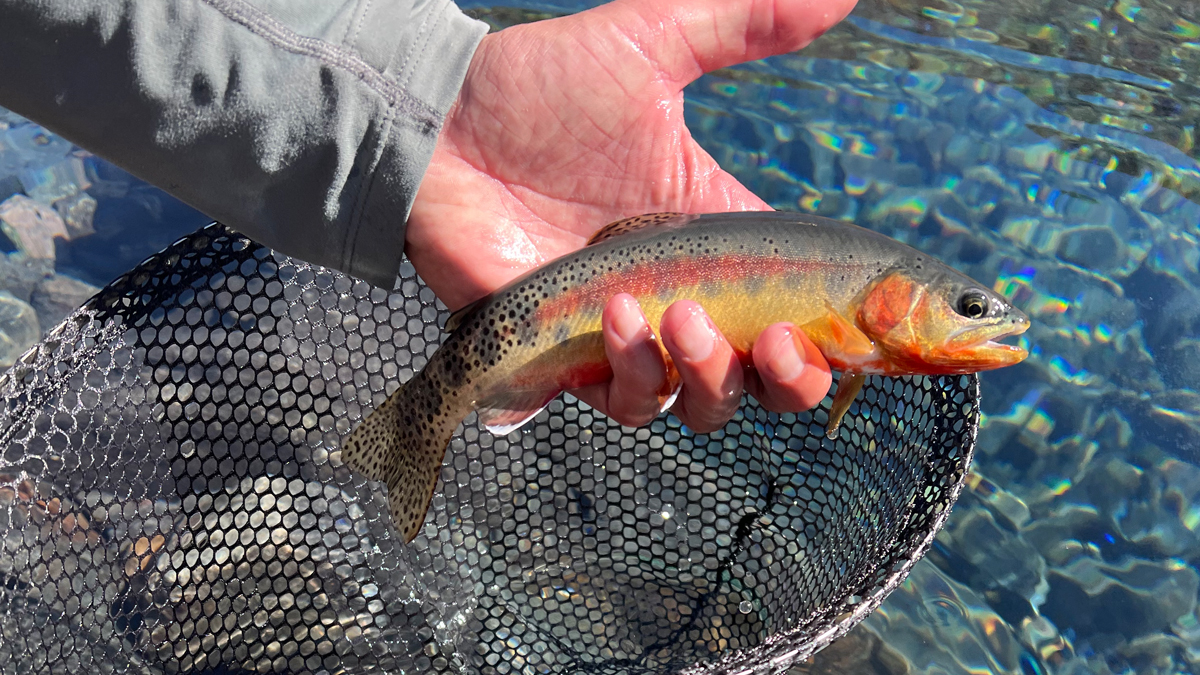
565,125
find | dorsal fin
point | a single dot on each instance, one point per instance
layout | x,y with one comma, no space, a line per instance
620,227
457,316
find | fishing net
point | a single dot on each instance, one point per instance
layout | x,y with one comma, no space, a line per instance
172,500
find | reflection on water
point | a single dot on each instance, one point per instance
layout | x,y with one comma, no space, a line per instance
1047,148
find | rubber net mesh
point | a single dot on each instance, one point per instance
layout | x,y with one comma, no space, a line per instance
172,500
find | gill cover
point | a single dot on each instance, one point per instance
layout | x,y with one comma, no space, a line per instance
886,316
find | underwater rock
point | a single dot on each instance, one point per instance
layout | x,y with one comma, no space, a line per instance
20,274
77,212
1091,246
108,181
1188,630
1031,157
939,625
963,152
1034,446
1011,512
863,173
981,546
1168,303
1160,519
25,146
49,183
1180,365
1171,418
1060,535
1084,516
1130,598
1152,654
18,328
9,185
1044,639
860,652
1143,508
58,296
31,226
902,209
996,558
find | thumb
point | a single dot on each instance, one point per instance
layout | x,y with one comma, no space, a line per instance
687,38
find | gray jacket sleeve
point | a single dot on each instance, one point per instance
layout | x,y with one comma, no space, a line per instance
305,124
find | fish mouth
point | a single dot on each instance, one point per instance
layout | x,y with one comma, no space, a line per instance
982,348
993,342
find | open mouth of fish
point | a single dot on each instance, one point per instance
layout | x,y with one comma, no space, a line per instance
990,337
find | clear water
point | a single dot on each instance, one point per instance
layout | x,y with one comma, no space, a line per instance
1045,147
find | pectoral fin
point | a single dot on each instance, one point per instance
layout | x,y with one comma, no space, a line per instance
835,334
847,391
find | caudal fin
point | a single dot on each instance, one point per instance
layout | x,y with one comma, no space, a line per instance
403,443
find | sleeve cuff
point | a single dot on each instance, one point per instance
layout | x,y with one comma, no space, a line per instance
431,70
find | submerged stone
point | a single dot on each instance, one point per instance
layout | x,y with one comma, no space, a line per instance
861,652
1091,246
18,328
31,226
1180,364
1130,598
939,625
52,182
20,274
77,212
58,296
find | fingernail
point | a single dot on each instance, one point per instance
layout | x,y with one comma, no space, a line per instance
696,338
785,363
629,324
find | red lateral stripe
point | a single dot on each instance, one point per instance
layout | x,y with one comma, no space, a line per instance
566,376
584,374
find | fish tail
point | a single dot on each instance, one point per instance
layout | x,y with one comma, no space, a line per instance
403,443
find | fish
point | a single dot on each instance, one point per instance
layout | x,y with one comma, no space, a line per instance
871,305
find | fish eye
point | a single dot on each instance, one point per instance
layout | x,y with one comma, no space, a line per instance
973,304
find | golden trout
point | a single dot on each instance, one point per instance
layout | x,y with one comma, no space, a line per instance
871,305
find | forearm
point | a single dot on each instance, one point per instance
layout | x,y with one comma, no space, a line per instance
306,125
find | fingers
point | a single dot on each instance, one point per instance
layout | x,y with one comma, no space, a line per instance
711,372
639,370
687,38
790,373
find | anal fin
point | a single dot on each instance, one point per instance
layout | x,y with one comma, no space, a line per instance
666,401
671,386
507,411
848,387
